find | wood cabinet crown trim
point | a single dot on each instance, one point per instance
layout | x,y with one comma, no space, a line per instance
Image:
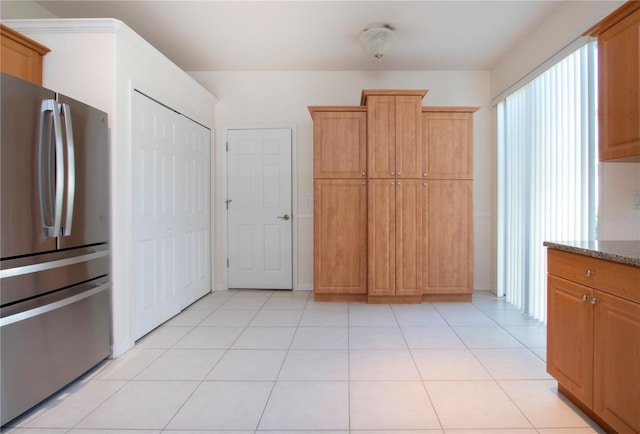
9,33
613,18
391,92
335,108
444,109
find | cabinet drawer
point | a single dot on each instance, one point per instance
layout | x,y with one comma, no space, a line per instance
611,277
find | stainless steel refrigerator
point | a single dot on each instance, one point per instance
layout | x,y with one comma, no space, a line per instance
55,304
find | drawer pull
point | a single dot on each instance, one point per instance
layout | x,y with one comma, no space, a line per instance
588,273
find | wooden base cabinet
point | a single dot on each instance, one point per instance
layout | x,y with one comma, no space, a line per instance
593,337
616,362
340,239
394,250
570,336
447,240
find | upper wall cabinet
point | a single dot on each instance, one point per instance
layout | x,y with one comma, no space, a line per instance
394,133
447,142
21,56
339,142
619,83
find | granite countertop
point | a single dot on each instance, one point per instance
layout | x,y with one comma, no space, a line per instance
623,252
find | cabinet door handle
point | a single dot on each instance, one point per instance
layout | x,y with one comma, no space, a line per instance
398,174
584,297
392,173
398,183
424,174
594,300
363,173
424,183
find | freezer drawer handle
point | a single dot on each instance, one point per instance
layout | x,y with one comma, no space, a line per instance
35,268
71,169
49,105
53,306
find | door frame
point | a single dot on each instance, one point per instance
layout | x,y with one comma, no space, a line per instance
294,197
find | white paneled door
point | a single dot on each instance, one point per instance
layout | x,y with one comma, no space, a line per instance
170,213
259,219
194,140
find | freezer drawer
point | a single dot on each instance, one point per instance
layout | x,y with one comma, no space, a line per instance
51,343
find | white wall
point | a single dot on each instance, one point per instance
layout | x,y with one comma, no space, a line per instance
101,62
617,219
619,210
282,97
23,9
565,25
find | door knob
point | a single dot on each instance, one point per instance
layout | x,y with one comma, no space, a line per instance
284,217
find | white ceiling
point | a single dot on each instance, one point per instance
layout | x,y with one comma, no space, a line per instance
321,35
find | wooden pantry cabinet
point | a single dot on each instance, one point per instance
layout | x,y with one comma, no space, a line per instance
340,205
593,336
413,202
619,83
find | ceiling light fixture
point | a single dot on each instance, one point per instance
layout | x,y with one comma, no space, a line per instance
378,41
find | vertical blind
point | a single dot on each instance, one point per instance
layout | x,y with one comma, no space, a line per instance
546,174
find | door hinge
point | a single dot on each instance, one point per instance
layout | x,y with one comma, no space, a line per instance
227,262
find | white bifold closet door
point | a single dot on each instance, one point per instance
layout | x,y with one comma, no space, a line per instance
171,214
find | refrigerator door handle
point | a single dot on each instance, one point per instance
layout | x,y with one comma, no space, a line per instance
71,168
50,105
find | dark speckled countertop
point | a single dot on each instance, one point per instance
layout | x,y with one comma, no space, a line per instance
623,252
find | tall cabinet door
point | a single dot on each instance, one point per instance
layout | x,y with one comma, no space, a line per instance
340,143
447,237
447,151
340,236
408,237
408,150
616,363
619,89
394,136
382,237
381,136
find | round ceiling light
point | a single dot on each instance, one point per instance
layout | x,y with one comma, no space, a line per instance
378,41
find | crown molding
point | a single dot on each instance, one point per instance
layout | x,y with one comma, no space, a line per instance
67,25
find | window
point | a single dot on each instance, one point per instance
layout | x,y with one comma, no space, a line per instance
546,174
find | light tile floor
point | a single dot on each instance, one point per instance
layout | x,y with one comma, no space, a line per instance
277,362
